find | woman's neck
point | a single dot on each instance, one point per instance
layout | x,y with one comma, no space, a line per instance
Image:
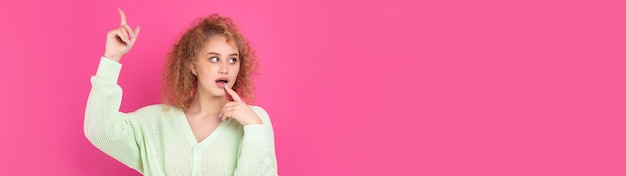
207,106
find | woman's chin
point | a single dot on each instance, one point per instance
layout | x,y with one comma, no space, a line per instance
218,93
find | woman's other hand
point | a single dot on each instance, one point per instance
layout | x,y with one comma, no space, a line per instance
121,39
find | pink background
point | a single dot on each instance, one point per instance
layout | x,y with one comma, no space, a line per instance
483,87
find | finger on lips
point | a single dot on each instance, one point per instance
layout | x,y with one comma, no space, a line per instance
230,107
232,93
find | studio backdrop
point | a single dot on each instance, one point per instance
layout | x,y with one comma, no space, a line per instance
388,87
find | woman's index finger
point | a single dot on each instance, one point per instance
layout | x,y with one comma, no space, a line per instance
232,93
123,16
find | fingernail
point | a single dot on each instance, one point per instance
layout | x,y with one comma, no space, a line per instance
138,27
225,85
220,116
132,35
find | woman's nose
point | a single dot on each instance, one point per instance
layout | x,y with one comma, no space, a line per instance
223,68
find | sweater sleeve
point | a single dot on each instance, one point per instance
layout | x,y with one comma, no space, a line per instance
115,133
257,155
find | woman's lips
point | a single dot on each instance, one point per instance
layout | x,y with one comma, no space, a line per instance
221,81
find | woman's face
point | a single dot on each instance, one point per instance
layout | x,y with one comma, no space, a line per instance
217,63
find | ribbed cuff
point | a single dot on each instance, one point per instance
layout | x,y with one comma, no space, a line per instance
109,69
254,133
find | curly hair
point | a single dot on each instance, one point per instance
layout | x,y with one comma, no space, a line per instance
179,84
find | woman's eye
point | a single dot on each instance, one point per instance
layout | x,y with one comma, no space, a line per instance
232,60
214,59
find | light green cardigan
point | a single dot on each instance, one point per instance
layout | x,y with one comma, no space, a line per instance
155,141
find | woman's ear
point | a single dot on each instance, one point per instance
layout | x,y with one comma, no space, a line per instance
192,67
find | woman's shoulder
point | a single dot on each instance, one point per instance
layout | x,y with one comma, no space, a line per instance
157,110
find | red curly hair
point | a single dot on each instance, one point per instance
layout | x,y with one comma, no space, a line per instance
179,84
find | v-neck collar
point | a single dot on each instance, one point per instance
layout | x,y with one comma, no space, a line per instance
184,123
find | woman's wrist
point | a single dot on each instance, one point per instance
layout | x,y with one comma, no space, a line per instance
253,122
116,59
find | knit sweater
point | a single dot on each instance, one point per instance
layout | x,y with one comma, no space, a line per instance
156,140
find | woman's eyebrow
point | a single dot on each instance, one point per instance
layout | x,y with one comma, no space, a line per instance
214,53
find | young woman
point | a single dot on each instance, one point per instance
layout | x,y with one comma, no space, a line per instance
198,130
